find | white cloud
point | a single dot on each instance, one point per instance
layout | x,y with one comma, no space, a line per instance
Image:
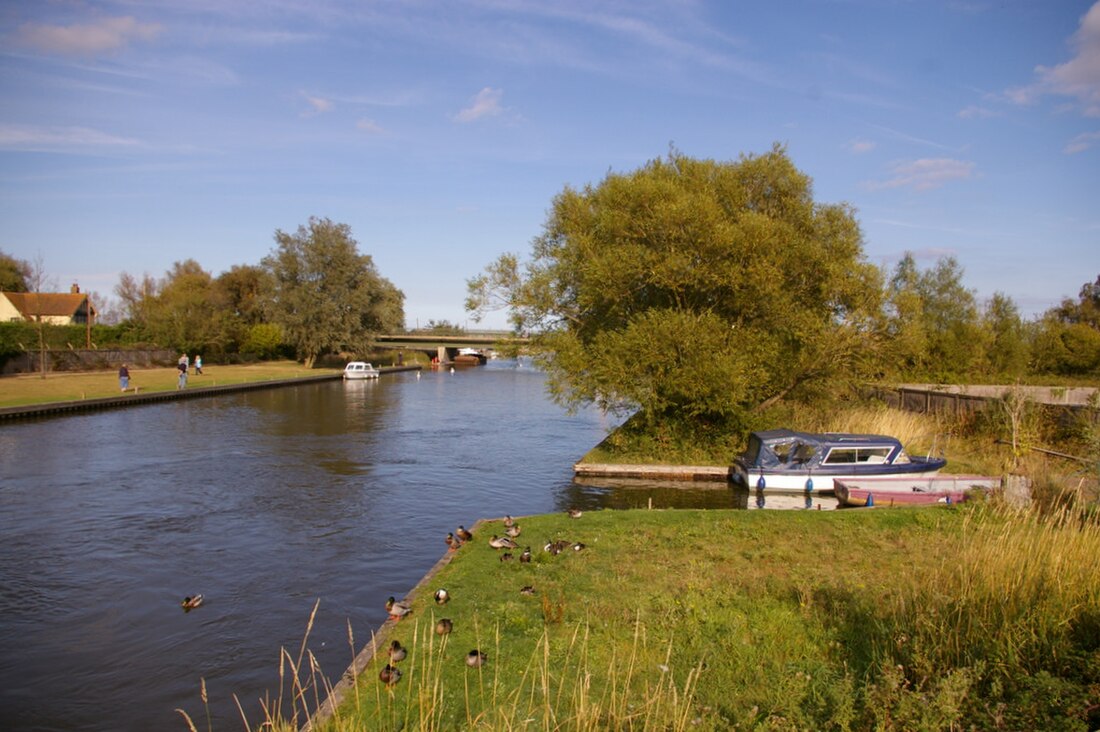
17,137
485,104
1082,142
1079,77
103,36
926,174
369,126
317,105
860,147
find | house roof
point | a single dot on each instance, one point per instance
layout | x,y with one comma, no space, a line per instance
45,304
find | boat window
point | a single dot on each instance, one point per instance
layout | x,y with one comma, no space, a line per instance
856,455
901,458
783,450
803,452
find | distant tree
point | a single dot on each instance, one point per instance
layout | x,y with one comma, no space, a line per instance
693,288
1067,341
240,295
327,296
135,296
14,274
1086,310
907,331
1008,347
184,314
442,327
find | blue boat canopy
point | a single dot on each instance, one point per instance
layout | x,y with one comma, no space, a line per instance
778,449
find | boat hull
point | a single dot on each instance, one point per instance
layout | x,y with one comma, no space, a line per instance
912,491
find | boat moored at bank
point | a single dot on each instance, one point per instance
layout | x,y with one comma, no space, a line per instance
917,490
787,461
360,370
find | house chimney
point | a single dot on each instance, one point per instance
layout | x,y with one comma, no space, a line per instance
75,289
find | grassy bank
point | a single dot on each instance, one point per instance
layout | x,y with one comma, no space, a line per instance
25,389
887,619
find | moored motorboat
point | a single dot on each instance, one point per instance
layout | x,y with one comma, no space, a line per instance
360,370
911,490
786,461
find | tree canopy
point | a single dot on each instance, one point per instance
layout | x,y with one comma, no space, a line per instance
325,295
692,288
14,274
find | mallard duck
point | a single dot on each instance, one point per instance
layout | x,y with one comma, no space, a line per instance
397,610
389,675
509,522
442,597
506,557
556,547
574,513
453,543
475,658
502,542
190,603
444,626
398,652
525,558
578,546
512,531
463,534
527,590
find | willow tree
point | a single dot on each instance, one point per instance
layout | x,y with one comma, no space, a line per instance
325,294
692,289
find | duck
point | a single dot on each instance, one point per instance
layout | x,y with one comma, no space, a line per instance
556,547
502,542
398,652
506,557
509,522
512,531
397,610
444,626
191,602
389,675
442,597
463,534
453,543
475,658
527,590
578,546
525,558
574,513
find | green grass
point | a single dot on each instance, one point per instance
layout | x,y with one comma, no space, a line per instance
881,619
26,389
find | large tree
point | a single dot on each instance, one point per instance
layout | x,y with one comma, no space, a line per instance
325,294
692,288
15,274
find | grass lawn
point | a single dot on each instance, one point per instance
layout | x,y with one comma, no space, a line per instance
890,618
24,389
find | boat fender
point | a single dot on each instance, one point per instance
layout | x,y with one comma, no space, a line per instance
809,485
870,500
949,501
760,483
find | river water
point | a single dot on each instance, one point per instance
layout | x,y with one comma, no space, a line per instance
265,502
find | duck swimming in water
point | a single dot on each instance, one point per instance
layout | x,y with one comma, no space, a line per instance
190,603
397,610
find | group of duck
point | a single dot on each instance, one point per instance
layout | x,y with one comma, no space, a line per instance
390,673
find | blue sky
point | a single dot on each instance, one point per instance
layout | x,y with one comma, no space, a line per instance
135,134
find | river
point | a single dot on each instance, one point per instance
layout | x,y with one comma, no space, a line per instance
265,502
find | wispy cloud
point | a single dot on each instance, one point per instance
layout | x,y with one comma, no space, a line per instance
369,126
1082,142
859,147
317,105
925,174
18,137
1079,77
89,39
485,104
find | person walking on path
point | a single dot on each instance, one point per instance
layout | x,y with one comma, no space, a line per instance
198,364
123,377
182,366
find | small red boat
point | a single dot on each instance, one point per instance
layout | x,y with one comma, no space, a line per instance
911,491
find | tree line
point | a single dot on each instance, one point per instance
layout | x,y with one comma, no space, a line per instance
313,294
713,290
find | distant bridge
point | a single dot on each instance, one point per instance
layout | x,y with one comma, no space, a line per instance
446,347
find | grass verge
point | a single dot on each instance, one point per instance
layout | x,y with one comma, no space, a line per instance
943,618
26,389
